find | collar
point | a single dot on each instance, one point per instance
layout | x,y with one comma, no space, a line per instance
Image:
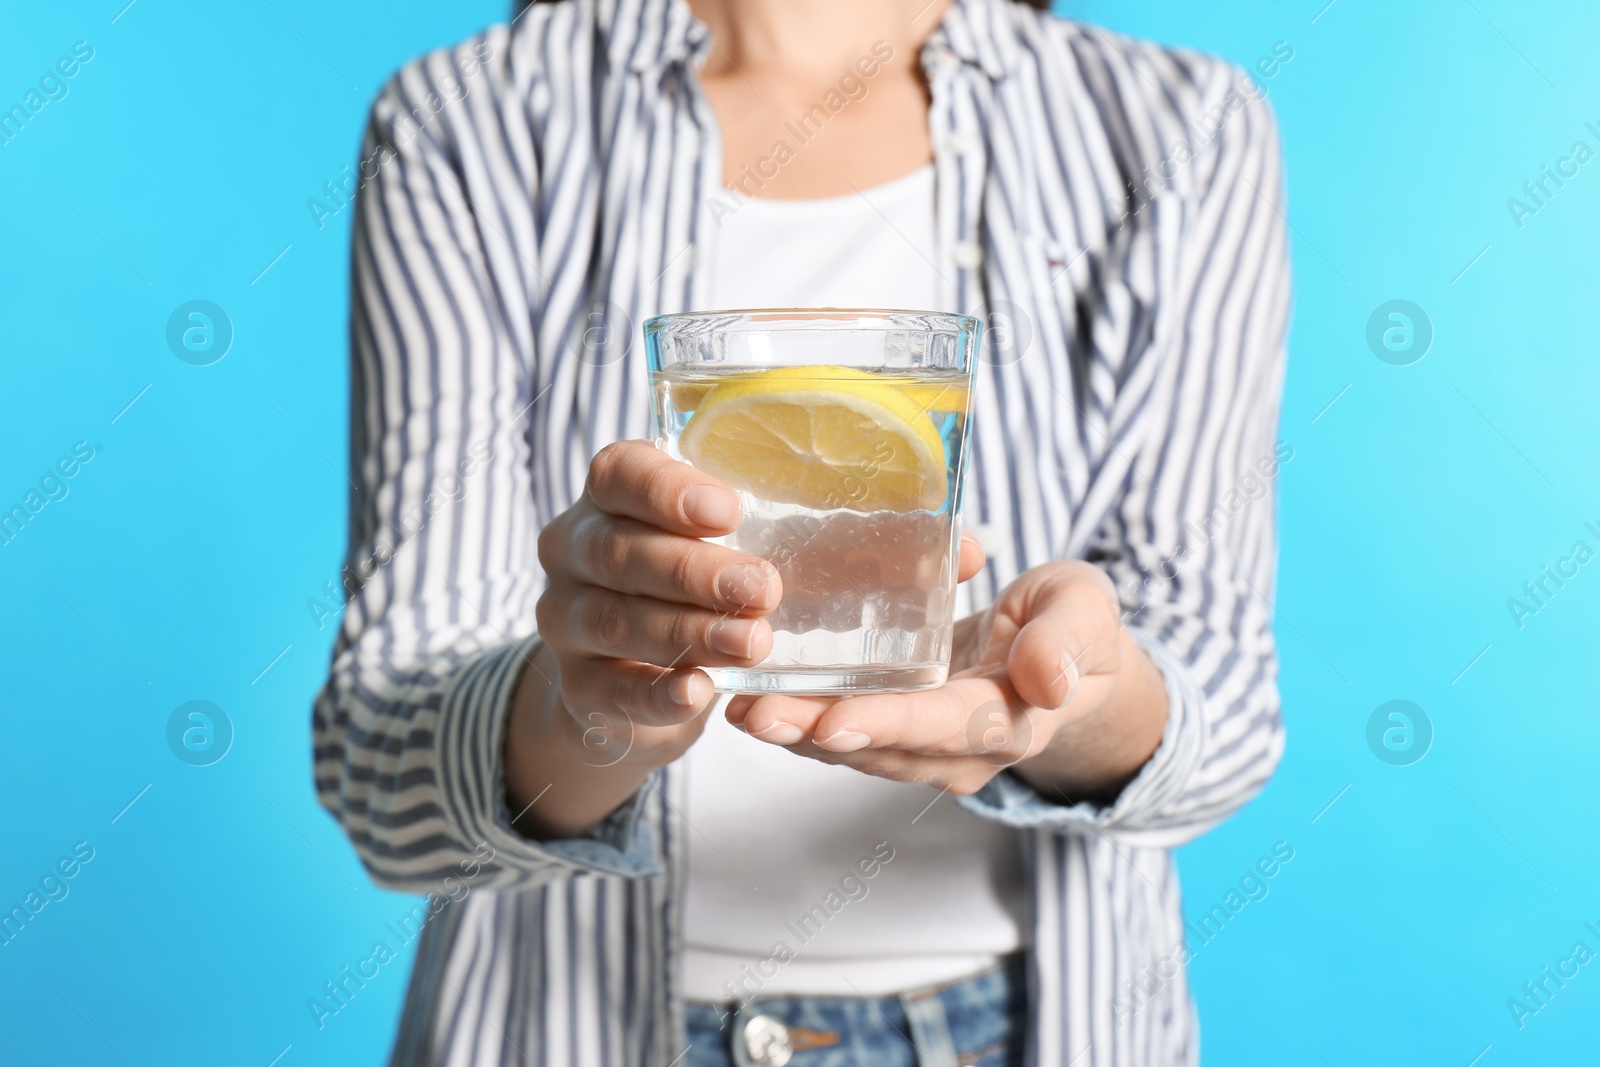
981,33
644,35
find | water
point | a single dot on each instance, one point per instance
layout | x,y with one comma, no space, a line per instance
868,571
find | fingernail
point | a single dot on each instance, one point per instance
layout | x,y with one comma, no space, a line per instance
680,690
845,741
780,733
1069,670
733,637
711,505
745,583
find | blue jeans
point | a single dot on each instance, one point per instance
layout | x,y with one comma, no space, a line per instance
980,1021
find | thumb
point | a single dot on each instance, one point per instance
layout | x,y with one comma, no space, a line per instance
1070,631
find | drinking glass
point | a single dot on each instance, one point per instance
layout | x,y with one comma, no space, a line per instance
844,432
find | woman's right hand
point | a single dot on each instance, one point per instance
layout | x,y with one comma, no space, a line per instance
635,601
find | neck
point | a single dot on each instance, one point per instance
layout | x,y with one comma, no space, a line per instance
815,37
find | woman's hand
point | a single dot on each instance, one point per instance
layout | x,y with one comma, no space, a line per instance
1047,682
635,602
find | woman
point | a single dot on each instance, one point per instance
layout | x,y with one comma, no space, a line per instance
638,873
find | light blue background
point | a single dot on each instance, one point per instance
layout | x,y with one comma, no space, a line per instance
180,563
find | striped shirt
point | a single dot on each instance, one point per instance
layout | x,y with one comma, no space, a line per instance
528,199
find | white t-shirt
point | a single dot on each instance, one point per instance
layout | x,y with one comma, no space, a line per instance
779,899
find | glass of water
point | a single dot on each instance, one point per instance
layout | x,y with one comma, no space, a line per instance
845,434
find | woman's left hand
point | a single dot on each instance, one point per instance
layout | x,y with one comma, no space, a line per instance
1046,682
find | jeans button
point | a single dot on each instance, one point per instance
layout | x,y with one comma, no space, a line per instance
766,1041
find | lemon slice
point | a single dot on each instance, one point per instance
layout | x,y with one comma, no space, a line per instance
821,437
927,396
935,397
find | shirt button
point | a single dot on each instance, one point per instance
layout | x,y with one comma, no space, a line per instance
766,1041
962,142
967,255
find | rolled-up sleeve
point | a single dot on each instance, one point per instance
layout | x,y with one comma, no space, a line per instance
441,573
1191,542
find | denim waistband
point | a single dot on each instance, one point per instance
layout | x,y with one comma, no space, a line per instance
981,1021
